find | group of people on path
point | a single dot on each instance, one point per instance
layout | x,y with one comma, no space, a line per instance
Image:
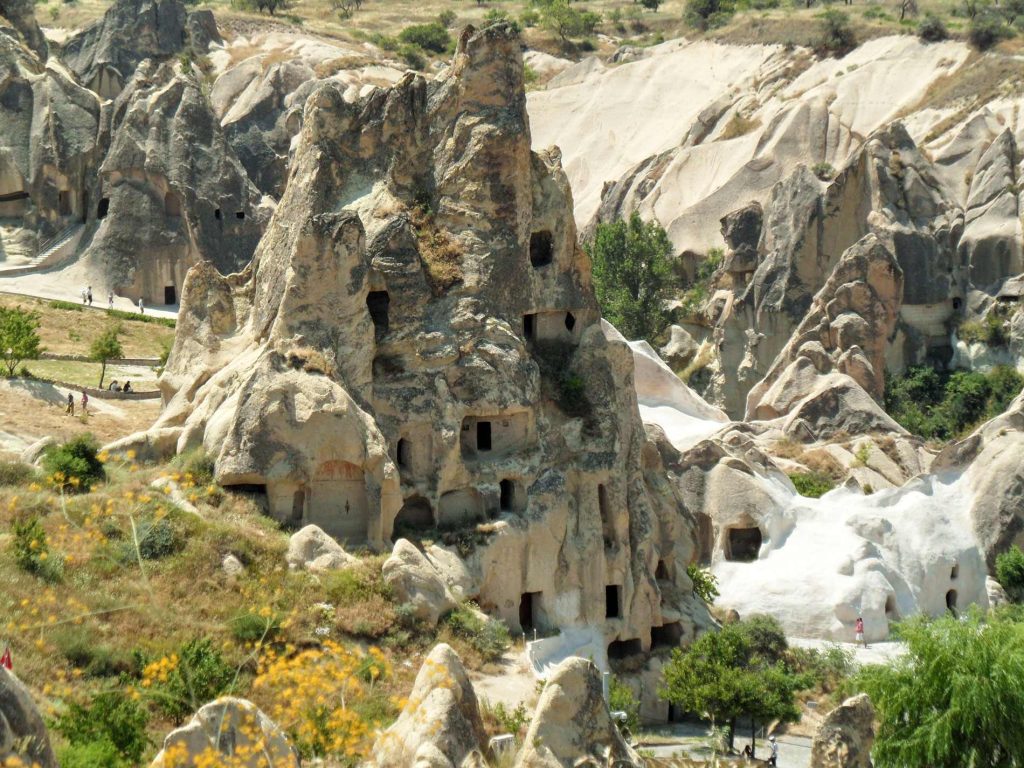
115,387
87,300
70,410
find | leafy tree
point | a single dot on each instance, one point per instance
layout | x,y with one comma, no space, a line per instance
1010,573
705,584
622,699
430,37
931,29
735,672
986,30
651,5
707,14
19,337
107,346
954,699
77,461
560,17
111,718
631,275
836,33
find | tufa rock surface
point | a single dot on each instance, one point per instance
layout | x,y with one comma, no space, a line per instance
22,15
440,725
314,550
416,581
845,736
23,735
572,722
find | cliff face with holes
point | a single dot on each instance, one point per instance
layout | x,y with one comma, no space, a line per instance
416,351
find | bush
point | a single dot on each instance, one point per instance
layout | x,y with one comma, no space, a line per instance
707,14
32,550
829,667
118,314
529,18
813,485
837,35
94,754
19,337
252,627
489,637
512,721
16,473
96,659
111,719
987,30
931,29
157,539
989,330
622,699
197,467
1010,573
182,682
75,464
446,18
69,306
824,171
430,37
705,584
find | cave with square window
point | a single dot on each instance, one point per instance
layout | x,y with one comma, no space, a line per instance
170,294
529,326
607,528
529,608
744,544
667,635
507,495
403,453
377,302
954,571
240,215
542,249
483,435
217,214
613,601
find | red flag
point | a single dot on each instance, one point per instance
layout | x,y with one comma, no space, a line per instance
5,660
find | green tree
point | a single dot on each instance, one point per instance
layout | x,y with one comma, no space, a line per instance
430,37
1010,573
739,671
107,346
705,584
631,275
560,17
19,337
837,35
954,699
110,718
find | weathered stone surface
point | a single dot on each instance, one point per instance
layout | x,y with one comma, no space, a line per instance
845,737
314,550
440,725
173,192
572,722
22,731
22,14
417,581
680,350
228,727
741,231
372,372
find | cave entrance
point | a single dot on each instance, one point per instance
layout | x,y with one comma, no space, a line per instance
172,205
890,608
377,303
954,571
529,326
613,601
607,529
570,321
744,544
64,202
298,507
483,435
951,601
667,635
415,515
103,208
507,495
661,572
403,453
529,604
623,649
541,249
170,295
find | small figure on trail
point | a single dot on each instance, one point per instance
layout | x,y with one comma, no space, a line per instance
85,403
89,295
142,308
110,300
85,295
858,629
127,387
774,747
748,752
114,386
71,404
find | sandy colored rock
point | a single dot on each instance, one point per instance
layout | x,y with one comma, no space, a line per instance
572,722
845,736
228,727
22,731
440,725
418,582
314,550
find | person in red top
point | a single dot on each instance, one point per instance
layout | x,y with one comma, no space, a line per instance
859,630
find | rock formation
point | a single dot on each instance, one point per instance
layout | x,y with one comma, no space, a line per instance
23,735
22,15
845,736
314,550
172,191
572,722
440,725
228,728
416,581
371,372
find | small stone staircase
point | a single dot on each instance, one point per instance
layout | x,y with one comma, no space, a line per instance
51,252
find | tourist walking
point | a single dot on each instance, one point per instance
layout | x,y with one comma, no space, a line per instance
110,300
774,747
858,630
85,403
85,295
71,405
89,295
142,308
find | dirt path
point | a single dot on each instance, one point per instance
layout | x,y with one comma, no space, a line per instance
513,684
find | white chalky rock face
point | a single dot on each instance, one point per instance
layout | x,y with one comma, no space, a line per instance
417,346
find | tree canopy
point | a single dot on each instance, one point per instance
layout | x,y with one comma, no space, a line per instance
19,337
955,699
632,275
106,347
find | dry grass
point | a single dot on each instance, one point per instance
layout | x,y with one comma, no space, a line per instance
440,253
739,125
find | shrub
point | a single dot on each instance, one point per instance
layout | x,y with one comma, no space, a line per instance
512,721
250,627
829,667
489,637
836,35
931,29
119,314
705,584
559,17
182,682
986,30
75,464
19,337
69,306
446,18
707,14
16,473
94,754
197,466
110,719
96,659
32,550
157,539
989,330
1010,573
529,18
430,37
824,171
622,699
813,485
